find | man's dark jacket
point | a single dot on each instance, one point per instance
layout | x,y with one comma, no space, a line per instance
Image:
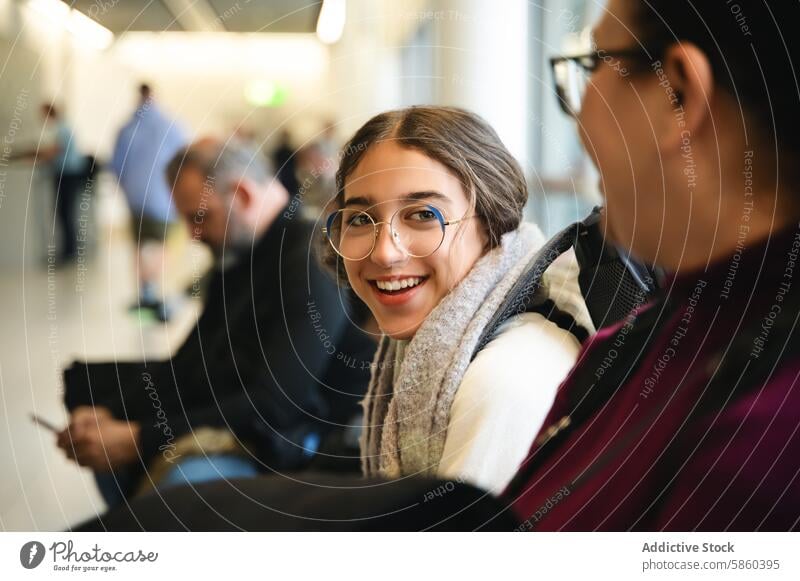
275,358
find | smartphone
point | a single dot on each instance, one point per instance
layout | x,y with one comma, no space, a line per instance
44,423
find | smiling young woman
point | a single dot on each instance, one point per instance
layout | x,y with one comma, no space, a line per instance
427,230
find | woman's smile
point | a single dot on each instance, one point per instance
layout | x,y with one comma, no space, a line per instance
396,290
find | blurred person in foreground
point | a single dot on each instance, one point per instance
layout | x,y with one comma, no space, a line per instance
141,153
694,424
269,378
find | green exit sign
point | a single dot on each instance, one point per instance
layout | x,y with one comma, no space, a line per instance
264,93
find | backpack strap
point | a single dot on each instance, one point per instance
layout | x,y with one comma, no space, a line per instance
612,284
523,296
564,320
591,393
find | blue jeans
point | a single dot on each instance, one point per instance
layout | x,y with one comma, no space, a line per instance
193,469
196,469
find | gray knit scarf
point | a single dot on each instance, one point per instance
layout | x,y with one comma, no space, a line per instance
406,421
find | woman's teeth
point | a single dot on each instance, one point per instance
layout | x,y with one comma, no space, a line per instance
398,284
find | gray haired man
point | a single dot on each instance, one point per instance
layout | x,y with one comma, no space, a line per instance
267,374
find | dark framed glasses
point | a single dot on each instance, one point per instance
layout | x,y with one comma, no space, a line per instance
416,229
571,74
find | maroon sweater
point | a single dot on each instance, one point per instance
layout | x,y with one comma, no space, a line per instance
684,417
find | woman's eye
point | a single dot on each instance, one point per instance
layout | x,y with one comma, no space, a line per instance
422,215
358,220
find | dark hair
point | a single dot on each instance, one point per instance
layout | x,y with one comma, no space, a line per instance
49,109
751,46
461,141
145,91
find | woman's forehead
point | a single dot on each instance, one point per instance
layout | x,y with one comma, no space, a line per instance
391,174
389,157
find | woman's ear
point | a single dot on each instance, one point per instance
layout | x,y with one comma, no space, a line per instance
688,85
487,241
483,234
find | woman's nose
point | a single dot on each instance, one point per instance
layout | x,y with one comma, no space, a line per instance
386,252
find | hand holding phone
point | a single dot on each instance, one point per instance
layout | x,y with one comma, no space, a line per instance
44,423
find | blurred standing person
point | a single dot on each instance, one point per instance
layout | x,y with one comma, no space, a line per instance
141,154
245,137
317,165
68,168
329,145
317,183
285,162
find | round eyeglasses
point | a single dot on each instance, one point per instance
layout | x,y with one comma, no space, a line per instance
416,230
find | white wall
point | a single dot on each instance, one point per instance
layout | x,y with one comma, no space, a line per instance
480,60
198,77
365,77
480,54
201,77
31,69
483,64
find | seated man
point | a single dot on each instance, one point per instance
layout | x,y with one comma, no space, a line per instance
274,366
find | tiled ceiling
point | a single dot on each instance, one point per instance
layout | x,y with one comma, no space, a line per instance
231,15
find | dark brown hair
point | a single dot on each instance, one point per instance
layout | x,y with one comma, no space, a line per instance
461,141
751,45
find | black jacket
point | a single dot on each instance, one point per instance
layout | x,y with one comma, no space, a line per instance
275,358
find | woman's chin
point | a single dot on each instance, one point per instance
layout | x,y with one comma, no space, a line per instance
400,331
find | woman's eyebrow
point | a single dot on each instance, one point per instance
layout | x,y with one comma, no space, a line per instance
358,201
427,195
414,196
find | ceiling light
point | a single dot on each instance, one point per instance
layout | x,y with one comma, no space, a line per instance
330,23
89,31
54,10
